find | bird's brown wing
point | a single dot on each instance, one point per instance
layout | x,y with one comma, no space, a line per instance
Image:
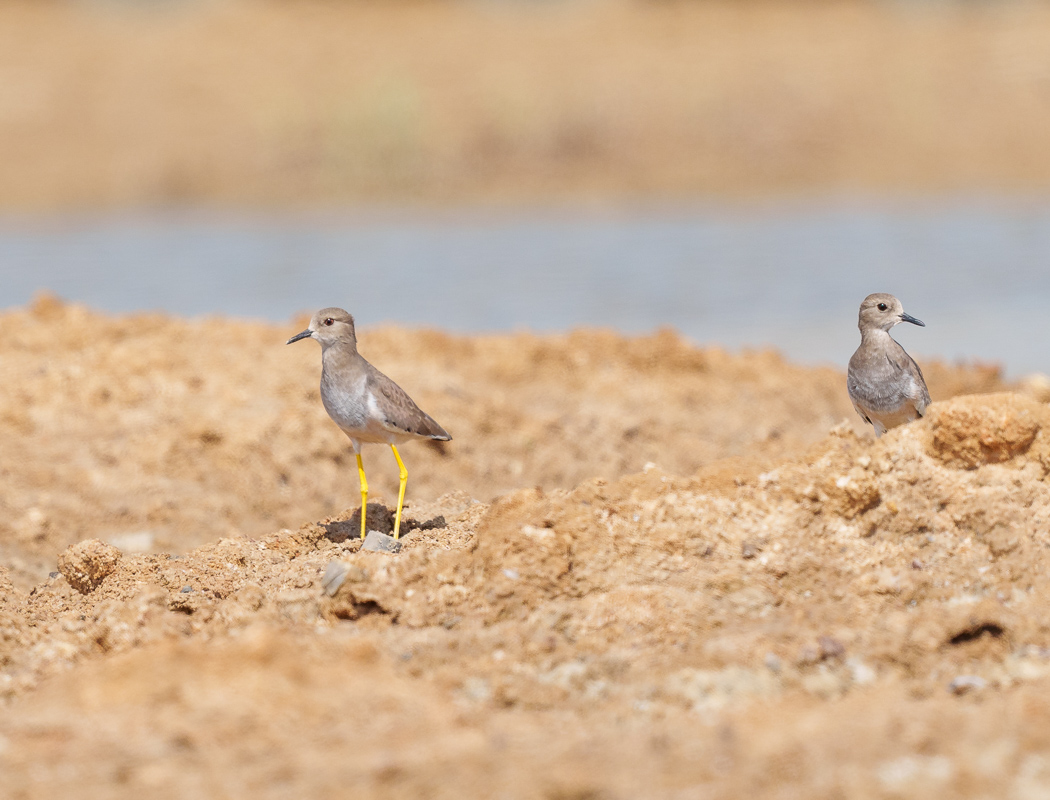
399,411
908,364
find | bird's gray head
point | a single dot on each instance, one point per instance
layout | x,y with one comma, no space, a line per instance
329,326
883,311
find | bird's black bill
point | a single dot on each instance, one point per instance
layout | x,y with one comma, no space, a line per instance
904,318
309,332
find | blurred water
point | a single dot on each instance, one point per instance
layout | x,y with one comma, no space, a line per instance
978,273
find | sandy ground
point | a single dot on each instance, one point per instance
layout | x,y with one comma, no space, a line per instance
241,103
646,569
651,570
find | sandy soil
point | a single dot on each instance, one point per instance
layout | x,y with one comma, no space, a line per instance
262,103
650,570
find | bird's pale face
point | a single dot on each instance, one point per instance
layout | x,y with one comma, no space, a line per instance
328,326
884,311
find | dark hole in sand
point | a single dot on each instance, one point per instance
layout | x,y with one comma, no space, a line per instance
362,609
976,632
380,518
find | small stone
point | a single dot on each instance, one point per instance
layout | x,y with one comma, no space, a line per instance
186,589
966,683
830,647
381,543
512,574
862,674
53,575
750,549
334,575
773,664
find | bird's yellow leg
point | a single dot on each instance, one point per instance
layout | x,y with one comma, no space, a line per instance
403,474
364,493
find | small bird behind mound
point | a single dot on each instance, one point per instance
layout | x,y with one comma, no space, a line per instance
884,382
366,405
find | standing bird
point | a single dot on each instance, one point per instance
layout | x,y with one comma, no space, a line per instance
884,382
366,405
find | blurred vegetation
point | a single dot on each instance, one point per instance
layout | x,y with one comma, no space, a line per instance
253,102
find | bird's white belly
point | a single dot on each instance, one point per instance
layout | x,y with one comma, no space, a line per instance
891,419
358,416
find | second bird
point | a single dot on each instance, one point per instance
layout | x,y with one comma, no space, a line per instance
884,382
366,405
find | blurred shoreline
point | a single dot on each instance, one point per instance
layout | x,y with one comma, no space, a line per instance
741,276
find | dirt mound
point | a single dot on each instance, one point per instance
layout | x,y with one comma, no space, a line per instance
157,434
863,618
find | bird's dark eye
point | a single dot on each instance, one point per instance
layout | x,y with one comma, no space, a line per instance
329,321
882,307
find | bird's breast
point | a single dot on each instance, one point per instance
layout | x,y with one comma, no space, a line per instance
345,403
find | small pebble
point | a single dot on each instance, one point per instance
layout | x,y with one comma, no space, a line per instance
966,683
334,575
830,647
53,575
381,543
808,655
186,589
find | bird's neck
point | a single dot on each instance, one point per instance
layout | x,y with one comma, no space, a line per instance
339,351
874,336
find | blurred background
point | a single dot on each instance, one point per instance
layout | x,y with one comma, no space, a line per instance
743,171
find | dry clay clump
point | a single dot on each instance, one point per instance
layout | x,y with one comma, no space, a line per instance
86,564
988,429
